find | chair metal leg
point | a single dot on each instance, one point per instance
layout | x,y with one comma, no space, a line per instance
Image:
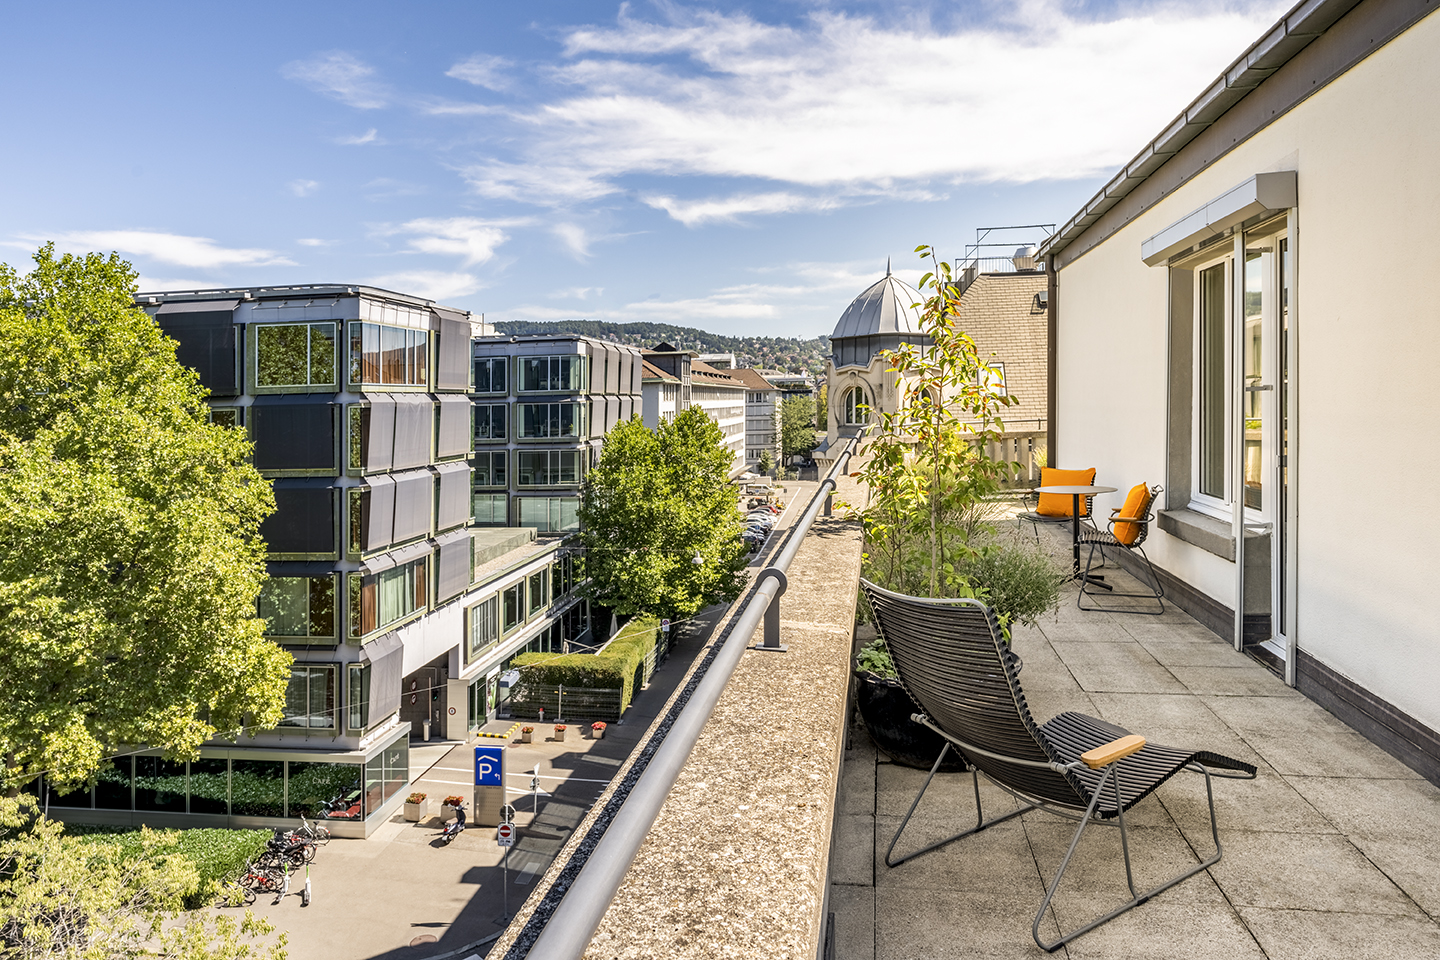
1157,591
1136,898
980,822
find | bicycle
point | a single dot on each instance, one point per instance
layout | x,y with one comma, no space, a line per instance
235,894
315,832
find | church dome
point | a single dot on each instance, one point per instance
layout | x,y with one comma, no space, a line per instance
883,310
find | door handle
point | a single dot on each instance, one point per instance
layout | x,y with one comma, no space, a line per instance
1258,387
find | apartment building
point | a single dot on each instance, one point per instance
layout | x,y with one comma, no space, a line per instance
694,383
762,416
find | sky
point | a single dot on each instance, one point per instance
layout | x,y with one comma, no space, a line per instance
746,168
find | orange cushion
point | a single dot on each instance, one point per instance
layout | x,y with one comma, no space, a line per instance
1060,504
1137,504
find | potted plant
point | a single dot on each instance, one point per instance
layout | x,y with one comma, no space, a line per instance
416,807
447,809
597,730
932,493
559,731
527,734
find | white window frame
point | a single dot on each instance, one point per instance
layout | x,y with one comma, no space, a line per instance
1219,508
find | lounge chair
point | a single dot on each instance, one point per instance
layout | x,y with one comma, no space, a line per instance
951,660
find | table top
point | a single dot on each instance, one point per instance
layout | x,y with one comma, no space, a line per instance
1076,491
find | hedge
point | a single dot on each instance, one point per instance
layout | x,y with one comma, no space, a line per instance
217,854
618,666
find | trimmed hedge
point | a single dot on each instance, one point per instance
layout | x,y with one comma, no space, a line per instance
619,666
217,854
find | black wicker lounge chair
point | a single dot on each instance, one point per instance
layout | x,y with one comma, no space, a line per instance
1128,527
953,663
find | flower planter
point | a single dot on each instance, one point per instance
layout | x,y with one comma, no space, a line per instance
415,812
886,708
527,735
597,732
447,812
559,733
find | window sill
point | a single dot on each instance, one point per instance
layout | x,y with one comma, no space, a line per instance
1204,531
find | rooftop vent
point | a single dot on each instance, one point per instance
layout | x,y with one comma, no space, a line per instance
1024,258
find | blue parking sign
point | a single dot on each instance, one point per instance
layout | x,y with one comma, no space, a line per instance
489,765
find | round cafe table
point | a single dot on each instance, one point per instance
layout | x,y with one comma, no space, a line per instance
1076,492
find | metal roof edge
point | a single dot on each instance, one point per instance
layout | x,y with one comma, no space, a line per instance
1294,31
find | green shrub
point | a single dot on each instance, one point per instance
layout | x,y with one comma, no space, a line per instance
1021,582
618,667
216,854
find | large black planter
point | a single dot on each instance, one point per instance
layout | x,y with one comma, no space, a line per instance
886,708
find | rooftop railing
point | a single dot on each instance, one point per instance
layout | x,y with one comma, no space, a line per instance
570,926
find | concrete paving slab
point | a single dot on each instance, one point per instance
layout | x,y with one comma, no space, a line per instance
943,924
854,912
1380,808
1291,716
1408,864
1317,935
1329,753
1173,931
1268,803
1300,871
1094,882
1145,713
1180,629
1239,680
1115,667
1193,652
997,858
852,858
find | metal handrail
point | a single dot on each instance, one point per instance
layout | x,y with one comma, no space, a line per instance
574,921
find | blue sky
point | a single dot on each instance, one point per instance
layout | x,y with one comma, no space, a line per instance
742,167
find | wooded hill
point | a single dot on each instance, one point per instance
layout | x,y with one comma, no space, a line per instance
787,354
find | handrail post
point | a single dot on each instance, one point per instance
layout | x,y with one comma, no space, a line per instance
772,612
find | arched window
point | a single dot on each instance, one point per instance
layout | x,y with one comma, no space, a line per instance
856,407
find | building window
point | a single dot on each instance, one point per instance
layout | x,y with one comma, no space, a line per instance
550,421
402,591
310,698
565,572
482,627
490,375
488,509
294,354
855,408
539,591
298,608
1211,379
549,514
228,416
575,622
512,607
548,468
490,421
550,374
489,469
991,379
358,697
382,355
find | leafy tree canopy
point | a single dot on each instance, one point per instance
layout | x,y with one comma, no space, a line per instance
797,427
64,899
655,501
131,557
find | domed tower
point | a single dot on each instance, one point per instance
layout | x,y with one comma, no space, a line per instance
881,318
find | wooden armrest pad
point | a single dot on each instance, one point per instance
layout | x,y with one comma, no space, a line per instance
1112,751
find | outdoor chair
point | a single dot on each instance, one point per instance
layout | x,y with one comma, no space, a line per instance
1055,507
1127,529
951,660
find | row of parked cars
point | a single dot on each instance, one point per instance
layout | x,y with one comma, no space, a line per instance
758,524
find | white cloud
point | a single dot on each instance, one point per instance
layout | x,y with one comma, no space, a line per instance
482,70
430,284
369,136
303,188
144,284
470,238
196,252
574,238
341,76
843,109
314,242
576,293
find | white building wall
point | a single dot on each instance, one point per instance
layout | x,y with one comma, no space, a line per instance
1364,147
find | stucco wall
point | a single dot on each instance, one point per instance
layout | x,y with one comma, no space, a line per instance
1365,149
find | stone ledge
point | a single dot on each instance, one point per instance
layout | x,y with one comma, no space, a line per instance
1207,533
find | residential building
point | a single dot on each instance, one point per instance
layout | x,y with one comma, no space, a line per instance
719,394
762,417
791,384
662,394
1181,296
399,614
543,405
720,361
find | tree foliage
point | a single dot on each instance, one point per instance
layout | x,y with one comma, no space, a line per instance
655,501
63,898
927,466
131,557
797,427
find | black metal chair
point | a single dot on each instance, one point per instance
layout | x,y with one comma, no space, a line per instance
952,662
1127,529
1048,476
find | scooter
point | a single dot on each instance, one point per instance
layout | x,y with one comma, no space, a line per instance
454,828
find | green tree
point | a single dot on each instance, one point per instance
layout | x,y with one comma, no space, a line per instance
765,464
656,501
822,413
64,899
131,557
797,427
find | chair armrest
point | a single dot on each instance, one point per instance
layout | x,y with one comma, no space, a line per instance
1114,750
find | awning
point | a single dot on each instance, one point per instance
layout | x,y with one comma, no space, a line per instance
1262,192
197,306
